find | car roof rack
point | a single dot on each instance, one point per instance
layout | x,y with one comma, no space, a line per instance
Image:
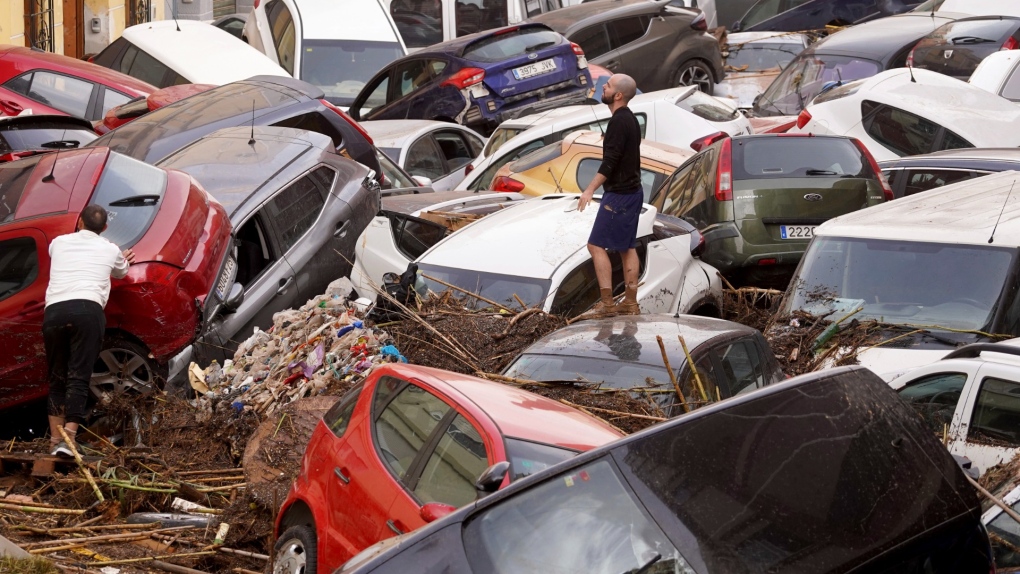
974,350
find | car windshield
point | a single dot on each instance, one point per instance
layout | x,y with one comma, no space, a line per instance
527,458
511,44
498,138
341,67
805,77
14,178
586,520
613,373
909,283
492,286
131,192
19,139
761,56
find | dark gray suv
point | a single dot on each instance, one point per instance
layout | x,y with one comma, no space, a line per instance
658,45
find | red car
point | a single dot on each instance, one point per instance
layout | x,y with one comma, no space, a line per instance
124,113
406,448
180,236
53,84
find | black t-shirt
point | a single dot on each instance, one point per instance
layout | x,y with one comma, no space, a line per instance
621,153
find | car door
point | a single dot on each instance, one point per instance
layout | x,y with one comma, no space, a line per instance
938,396
597,46
458,149
991,433
24,274
49,90
635,47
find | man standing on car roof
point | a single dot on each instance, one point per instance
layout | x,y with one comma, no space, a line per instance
74,322
616,223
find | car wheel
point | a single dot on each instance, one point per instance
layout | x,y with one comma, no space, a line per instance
296,551
125,367
694,73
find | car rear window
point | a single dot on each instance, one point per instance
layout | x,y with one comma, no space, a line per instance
537,157
979,31
14,178
707,107
131,192
512,44
43,136
786,156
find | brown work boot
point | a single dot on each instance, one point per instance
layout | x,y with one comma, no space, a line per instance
629,305
605,307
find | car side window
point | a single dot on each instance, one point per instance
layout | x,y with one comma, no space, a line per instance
650,181
476,15
586,170
281,28
112,99
19,265
452,469
740,366
578,291
19,84
901,132
405,424
253,250
626,30
376,96
923,179
707,373
997,411
1011,90
67,94
953,141
295,209
594,40
455,149
413,236
670,203
935,397
700,185
423,158
411,76
338,418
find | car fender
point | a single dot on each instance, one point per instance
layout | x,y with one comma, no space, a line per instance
695,281
375,254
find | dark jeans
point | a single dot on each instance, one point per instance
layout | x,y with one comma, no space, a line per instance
73,333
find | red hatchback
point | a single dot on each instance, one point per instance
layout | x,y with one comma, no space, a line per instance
180,235
406,448
53,84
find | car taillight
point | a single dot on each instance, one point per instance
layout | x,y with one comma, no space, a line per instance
470,167
702,143
910,58
464,78
1010,44
507,185
257,2
700,23
724,175
803,118
347,118
578,51
700,247
886,189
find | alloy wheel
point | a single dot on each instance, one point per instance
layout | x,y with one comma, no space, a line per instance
695,75
119,370
291,559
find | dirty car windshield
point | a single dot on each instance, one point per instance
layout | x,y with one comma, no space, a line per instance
493,286
902,282
613,372
758,56
804,78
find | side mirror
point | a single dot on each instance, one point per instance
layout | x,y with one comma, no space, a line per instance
234,298
433,511
422,180
736,26
490,479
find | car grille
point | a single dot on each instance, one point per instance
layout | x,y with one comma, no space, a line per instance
541,92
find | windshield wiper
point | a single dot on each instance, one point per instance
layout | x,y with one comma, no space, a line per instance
646,565
61,144
135,200
539,46
970,40
821,172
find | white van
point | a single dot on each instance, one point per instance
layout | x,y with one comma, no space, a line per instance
938,270
337,46
426,22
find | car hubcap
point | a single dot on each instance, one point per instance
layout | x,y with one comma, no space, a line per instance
120,371
290,559
696,76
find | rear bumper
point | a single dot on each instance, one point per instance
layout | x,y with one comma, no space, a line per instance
565,94
727,250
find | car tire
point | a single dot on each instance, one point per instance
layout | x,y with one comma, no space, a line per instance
125,366
296,551
694,72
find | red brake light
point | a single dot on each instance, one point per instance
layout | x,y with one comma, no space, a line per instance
724,175
1010,44
767,261
256,4
507,185
702,143
347,118
577,49
464,78
700,23
803,118
886,190
506,30
470,167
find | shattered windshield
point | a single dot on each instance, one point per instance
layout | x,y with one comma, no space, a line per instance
799,83
492,286
902,282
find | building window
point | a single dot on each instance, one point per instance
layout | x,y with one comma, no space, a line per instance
39,24
138,12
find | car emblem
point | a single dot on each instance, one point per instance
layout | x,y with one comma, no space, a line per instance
533,56
813,197
947,54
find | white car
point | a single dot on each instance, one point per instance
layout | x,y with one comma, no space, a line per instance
536,251
972,397
753,60
997,74
911,112
335,45
438,151
676,117
167,52
974,7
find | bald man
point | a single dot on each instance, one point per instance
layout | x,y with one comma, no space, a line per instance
616,223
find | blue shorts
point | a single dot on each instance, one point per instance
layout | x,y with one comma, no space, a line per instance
616,223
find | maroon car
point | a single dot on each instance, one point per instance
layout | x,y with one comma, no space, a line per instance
53,84
181,237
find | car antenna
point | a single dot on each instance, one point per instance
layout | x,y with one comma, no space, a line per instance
559,189
49,176
910,70
251,141
996,226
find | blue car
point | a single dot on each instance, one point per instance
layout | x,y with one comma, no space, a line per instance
480,80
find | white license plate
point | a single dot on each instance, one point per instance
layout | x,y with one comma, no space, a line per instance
536,69
226,278
796,231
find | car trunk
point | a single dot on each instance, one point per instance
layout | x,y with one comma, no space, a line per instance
523,60
961,46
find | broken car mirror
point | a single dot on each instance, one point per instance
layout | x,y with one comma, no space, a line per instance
433,511
490,479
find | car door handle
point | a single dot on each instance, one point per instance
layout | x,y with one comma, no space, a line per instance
12,106
340,474
612,64
393,526
284,284
341,228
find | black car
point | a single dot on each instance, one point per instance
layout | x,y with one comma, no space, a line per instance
851,54
827,473
797,15
257,101
917,173
955,49
660,46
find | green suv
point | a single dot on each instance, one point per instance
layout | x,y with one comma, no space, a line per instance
757,199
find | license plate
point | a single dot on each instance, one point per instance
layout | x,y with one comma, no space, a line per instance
226,278
536,69
796,231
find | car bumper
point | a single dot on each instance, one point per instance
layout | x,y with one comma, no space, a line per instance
490,120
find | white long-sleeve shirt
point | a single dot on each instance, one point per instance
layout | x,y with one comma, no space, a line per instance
80,268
